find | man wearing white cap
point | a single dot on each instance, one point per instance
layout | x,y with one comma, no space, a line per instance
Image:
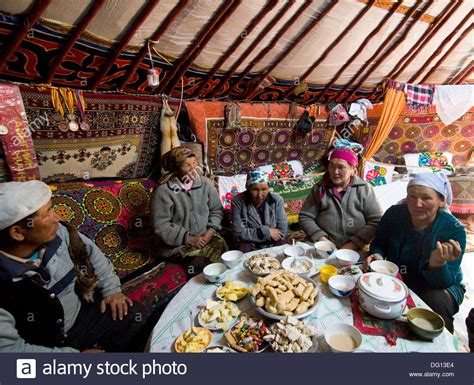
49,276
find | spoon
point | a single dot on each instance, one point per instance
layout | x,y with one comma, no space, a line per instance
296,262
191,322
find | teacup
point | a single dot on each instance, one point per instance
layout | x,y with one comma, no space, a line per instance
215,272
232,258
324,248
384,267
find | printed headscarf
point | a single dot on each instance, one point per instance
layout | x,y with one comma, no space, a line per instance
346,150
256,176
172,160
436,181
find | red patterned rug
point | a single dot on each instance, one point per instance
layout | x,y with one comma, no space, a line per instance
153,286
115,215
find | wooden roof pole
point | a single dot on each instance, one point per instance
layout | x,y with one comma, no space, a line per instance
445,13
137,22
30,18
452,7
461,74
240,39
309,27
154,37
331,47
76,32
270,45
394,8
447,53
465,76
448,38
372,60
194,44
254,44
189,61
392,48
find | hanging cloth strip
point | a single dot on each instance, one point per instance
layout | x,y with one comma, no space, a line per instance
419,97
452,102
56,100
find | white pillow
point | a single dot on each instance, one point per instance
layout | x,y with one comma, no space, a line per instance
429,162
229,187
377,175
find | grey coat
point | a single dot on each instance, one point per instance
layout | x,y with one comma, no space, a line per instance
177,213
246,222
354,218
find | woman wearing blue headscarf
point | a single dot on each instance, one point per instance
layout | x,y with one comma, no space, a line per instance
258,215
427,243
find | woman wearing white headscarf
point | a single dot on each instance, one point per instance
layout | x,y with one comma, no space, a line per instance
427,243
258,215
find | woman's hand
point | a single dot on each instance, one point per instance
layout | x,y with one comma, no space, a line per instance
444,252
323,239
118,304
370,258
200,240
193,240
208,235
276,235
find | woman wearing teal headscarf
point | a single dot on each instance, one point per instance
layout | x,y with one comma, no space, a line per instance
427,243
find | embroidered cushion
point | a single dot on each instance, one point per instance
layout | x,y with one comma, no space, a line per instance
429,162
377,175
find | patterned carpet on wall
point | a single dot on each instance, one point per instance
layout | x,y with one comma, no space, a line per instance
115,215
266,136
122,140
424,132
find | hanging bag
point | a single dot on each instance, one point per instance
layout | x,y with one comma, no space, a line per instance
305,123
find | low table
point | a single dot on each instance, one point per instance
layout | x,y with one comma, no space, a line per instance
330,310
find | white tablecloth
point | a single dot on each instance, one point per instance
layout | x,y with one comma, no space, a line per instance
330,309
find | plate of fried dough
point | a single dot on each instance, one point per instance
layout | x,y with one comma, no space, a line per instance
282,294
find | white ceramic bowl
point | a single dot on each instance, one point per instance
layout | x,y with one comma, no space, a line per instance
384,267
341,285
232,258
343,338
324,248
292,251
347,257
215,272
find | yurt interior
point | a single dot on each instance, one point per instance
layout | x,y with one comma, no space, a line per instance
233,165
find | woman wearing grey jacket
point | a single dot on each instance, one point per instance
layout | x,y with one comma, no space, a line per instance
187,213
342,208
258,215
